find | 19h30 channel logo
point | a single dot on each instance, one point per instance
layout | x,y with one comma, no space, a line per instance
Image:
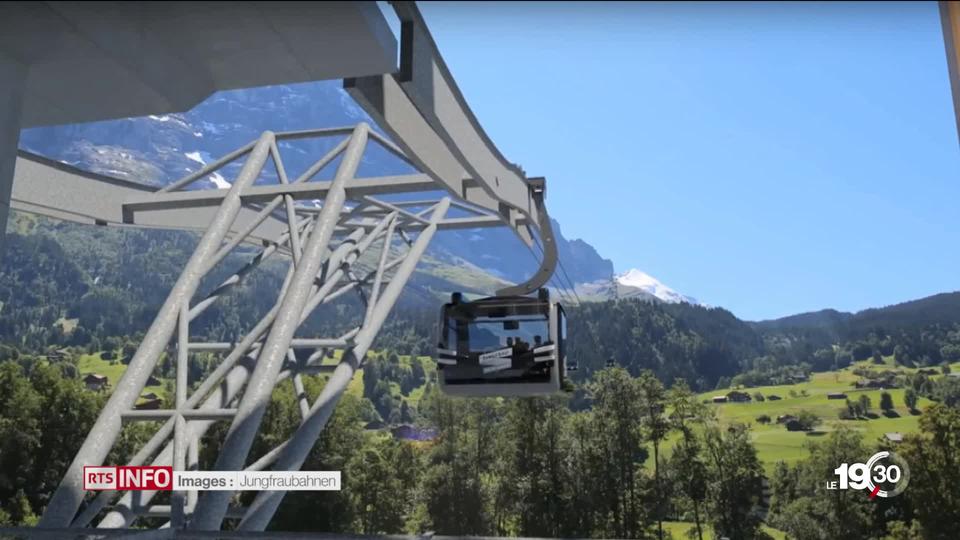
885,474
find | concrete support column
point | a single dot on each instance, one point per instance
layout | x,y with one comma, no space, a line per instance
12,75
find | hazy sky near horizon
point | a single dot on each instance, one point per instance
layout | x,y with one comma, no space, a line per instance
769,158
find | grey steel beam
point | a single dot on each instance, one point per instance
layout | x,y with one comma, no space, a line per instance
12,76
166,414
178,498
218,389
294,344
46,187
228,378
357,187
388,207
479,222
381,269
235,376
295,247
49,188
293,454
469,223
66,499
212,507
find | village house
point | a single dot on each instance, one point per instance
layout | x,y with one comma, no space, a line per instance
150,404
57,355
96,382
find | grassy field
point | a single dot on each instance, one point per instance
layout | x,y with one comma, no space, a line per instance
678,530
356,384
773,441
93,363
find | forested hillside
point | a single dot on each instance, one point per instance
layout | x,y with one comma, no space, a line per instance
573,465
710,347
77,285
67,284
698,344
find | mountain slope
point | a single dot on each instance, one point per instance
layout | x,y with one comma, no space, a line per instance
110,281
941,308
160,149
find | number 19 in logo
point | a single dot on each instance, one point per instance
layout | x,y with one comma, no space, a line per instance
885,474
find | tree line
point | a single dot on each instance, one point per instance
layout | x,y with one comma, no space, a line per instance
638,454
529,467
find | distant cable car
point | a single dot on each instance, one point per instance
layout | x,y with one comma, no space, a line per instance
502,346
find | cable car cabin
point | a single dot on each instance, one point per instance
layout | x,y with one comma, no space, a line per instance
502,346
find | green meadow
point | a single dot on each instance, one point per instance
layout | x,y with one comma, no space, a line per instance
93,363
678,530
773,441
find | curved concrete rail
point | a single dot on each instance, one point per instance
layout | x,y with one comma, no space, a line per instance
422,108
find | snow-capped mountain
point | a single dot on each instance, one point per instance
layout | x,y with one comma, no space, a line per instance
632,284
635,282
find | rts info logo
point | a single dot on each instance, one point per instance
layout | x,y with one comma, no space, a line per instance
153,478
885,474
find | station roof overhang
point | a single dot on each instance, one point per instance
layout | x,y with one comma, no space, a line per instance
91,61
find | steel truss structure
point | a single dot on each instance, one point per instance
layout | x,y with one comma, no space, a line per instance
360,239
324,246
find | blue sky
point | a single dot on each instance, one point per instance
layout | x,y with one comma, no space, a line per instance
767,158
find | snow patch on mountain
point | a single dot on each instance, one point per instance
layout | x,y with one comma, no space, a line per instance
195,156
220,181
216,178
636,281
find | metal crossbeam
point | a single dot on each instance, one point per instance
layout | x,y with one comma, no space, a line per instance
324,245
357,187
